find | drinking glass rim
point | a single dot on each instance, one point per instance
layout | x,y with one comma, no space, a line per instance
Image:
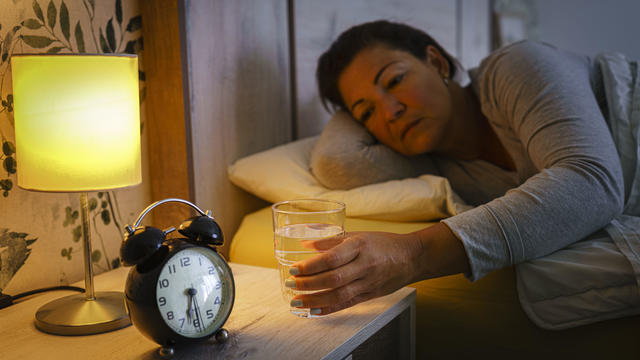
341,207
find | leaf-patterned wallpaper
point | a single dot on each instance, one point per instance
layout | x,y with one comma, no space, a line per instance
40,232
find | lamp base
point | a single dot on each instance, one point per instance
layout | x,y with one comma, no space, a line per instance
75,315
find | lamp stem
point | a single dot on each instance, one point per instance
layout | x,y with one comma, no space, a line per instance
89,313
86,246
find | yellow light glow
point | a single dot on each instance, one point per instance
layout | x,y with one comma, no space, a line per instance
77,122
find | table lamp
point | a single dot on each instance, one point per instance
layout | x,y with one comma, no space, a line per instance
77,127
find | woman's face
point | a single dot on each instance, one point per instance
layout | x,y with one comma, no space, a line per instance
401,99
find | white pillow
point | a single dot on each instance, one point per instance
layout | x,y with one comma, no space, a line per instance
282,173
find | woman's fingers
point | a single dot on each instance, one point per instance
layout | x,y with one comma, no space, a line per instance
335,257
329,279
323,244
331,301
333,297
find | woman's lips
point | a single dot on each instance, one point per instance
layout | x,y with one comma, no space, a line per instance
409,127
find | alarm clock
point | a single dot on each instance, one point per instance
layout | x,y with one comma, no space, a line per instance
180,290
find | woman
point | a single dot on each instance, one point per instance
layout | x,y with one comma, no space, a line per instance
526,141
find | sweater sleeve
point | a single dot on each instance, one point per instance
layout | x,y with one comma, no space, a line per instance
544,97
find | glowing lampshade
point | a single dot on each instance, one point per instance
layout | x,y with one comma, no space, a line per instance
77,121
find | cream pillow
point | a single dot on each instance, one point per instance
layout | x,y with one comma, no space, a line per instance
282,173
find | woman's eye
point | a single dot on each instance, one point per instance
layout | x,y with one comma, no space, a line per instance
395,80
365,115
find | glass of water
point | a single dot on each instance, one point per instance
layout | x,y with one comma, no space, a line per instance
295,222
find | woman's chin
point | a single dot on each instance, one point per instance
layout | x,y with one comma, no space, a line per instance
417,147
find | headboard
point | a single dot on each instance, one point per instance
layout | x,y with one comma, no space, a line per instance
242,81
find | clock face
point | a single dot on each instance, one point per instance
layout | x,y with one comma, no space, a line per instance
194,292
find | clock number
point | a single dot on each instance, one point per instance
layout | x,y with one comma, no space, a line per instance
217,301
172,269
218,285
170,315
200,261
181,322
164,283
196,323
185,261
209,314
212,271
162,301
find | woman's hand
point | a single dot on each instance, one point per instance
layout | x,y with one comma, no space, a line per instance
355,267
363,265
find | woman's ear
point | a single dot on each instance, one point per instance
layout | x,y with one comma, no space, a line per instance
436,59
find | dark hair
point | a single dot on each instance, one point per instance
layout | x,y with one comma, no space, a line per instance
355,39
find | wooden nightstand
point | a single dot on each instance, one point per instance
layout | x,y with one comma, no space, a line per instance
260,326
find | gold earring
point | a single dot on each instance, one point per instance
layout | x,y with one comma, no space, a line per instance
445,79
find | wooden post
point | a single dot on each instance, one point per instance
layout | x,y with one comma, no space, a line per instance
170,169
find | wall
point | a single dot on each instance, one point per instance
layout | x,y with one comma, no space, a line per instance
590,26
236,79
40,232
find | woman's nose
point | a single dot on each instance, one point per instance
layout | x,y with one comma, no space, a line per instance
393,109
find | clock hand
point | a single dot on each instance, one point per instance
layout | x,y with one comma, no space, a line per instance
189,310
198,316
190,292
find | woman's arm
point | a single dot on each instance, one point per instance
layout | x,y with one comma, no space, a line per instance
442,253
363,265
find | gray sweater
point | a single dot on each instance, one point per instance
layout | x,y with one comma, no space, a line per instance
545,106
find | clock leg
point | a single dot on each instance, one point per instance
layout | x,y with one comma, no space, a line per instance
166,352
222,336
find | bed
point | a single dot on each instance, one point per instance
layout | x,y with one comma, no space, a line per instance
455,317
